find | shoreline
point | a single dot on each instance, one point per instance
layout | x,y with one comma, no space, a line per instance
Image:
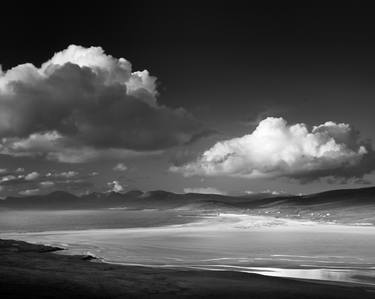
259,270
36,271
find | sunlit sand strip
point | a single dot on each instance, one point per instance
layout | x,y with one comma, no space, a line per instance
220,222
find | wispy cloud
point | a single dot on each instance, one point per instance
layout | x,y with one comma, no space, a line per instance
29,192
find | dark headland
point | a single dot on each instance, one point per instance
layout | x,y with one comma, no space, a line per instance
36,271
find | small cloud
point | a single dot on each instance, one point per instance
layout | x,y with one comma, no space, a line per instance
204,190
120,167
362,181
3,170
64,174
249,192
8,178
47,184
266,192
273,192
32,176
12,180
115,186
74,184
29,192
20,169
94,173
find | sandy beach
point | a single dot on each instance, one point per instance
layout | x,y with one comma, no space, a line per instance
231,243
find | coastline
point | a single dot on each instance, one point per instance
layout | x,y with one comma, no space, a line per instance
35,271
226,228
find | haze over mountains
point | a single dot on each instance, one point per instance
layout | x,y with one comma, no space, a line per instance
343,206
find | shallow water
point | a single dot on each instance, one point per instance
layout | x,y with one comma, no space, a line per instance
264,245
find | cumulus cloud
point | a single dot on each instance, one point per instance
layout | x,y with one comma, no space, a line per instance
204,190
83,104
115,186
277,149
120,167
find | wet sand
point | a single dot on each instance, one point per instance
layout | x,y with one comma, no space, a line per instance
35,271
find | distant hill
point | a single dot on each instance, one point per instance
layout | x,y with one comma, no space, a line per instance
328,205
344,206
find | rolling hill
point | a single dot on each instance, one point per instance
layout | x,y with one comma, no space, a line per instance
346,205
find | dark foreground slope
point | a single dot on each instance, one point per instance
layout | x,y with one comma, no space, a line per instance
32,271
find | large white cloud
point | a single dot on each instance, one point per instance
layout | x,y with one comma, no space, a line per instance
85,101
276,149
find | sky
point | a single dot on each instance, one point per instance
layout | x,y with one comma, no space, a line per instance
186,97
